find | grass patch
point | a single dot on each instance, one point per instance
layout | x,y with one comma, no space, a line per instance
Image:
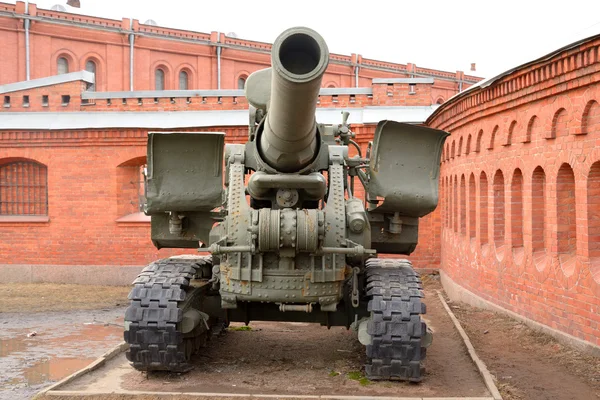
240,328
357,376
333,373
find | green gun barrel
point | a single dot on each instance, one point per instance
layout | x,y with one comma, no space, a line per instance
289,140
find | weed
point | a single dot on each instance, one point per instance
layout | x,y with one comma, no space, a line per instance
354,375
240,328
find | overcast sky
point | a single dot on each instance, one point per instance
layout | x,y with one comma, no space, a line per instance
447,35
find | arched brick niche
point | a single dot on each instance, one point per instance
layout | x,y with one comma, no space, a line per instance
483,209
472,207
516,215
593,198
538,217
463,206
525,192
499,214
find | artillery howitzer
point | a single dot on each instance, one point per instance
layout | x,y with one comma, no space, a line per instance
289,241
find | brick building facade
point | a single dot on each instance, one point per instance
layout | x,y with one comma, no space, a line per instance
73,137
520,199
128,55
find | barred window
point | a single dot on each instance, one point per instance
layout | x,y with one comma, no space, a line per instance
23,188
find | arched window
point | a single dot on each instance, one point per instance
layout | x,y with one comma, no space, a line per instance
90,66
62,66
183,80
131,182
159,79
23,188
241,84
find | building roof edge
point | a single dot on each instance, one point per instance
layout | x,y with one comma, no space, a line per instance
490,81
85,76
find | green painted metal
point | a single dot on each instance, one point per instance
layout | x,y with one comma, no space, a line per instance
289,140
184,171
280,219
405,168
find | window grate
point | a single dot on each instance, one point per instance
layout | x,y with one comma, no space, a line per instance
23,189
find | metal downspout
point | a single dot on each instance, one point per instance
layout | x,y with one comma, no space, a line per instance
356,75
131,39
218,61
27,61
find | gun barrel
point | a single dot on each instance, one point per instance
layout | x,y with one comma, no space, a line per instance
299,58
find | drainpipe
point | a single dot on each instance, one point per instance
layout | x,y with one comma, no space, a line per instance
218,61
131,39
27,61
356,75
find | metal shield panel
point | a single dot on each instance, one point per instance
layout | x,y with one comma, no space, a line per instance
184,171
405,167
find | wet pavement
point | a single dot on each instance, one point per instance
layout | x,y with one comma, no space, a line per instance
64,342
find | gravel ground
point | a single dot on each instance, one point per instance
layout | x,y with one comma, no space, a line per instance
281,357
529,364
301,359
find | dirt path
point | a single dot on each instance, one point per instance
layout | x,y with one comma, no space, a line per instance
284,357
529,364
303,359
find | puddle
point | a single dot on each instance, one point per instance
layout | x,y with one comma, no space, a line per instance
59,348
8,346
53,369
56,338
94,333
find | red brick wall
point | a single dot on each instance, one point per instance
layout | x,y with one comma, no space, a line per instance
523,230
55,95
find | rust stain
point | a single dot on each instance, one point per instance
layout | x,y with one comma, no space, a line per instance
226,271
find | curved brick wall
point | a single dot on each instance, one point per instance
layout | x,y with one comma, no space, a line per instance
520,190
